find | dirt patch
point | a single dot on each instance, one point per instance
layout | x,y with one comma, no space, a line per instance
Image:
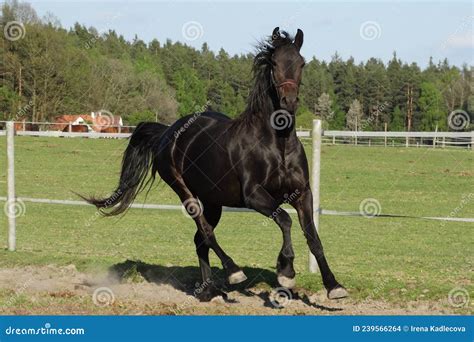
64,290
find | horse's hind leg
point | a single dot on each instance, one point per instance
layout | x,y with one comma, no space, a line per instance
212,215
204,238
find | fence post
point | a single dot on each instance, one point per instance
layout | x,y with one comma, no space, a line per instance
434,138
11,199
315,175
385,137
472,140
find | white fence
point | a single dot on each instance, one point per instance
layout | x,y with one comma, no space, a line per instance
317,136
407,139
361,138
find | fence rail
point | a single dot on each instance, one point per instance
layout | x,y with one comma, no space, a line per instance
334,137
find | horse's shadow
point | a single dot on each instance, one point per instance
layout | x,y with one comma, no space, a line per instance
187,279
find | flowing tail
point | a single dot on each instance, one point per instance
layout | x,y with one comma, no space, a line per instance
136,164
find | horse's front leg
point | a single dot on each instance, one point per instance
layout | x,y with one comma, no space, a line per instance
304,208
260,200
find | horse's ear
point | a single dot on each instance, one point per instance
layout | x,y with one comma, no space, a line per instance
276,33
299,39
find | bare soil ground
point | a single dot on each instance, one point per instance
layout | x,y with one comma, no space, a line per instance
64,290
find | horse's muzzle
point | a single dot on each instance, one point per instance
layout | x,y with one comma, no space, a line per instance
289,103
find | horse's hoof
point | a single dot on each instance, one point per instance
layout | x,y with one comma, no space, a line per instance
286,282
338,293
218,300
237,278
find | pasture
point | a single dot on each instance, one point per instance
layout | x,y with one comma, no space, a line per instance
407,264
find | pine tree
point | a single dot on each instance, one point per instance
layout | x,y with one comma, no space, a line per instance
398,120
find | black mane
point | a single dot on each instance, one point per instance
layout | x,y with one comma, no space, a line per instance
258,100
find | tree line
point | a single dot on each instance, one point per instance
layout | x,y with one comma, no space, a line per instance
50,71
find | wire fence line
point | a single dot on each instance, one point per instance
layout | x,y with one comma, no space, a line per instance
175,207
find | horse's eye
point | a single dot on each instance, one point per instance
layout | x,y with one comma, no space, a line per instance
302,65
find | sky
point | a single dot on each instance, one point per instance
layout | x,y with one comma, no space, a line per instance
361,29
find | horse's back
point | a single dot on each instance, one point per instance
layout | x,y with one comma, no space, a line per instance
197,144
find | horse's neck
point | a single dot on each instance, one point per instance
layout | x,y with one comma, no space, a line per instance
270,123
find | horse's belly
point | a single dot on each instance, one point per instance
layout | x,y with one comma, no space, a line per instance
214,183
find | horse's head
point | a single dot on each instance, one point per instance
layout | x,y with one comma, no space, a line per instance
286,70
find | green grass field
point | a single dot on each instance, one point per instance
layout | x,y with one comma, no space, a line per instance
397,260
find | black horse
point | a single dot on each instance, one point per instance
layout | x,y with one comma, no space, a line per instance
254,161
